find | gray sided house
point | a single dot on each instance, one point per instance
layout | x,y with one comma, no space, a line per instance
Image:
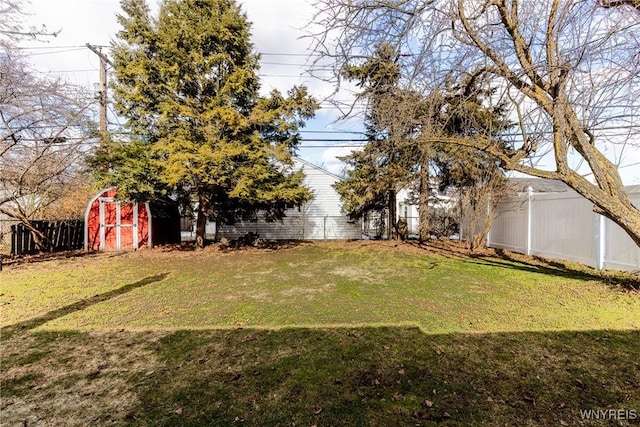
320,219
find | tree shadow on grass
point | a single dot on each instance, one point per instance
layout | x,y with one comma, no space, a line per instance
535,264
7,331
618,279
378,376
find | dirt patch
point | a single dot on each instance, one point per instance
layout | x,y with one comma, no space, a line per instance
359,274
44,256
309,293
440,246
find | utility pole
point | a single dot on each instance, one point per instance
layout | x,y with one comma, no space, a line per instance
103,87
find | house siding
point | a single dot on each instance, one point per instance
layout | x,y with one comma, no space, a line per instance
319,219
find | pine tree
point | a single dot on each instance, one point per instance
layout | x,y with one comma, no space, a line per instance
476,177
187,84
387,161
396,155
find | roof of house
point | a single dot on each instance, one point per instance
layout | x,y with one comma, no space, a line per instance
306,163
539,185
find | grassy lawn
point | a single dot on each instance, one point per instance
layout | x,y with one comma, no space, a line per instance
361,333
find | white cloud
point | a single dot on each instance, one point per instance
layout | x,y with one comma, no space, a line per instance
329,159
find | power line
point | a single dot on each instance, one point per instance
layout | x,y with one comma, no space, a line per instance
70,71
54,47
332,131
310,54
332,140
330,146
54,53
288,64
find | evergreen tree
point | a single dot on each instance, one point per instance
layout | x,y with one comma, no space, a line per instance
387,161
464,110
187,84
396,155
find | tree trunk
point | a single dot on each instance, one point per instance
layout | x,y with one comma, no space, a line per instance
41,241
618,208
393,222
423,207
201,221
629,222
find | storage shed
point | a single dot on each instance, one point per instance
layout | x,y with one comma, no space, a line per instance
112,224
320,219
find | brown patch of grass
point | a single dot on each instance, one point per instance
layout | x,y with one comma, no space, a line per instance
44,256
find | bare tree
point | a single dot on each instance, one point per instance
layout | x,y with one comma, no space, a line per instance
11,25
45,133
477,204
567,71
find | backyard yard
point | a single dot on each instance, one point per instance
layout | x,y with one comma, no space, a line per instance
326,334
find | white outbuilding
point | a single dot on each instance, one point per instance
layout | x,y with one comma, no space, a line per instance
320,219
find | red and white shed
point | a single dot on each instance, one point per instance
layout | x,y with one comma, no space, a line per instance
112,224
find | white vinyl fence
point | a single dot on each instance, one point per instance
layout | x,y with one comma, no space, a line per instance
563,225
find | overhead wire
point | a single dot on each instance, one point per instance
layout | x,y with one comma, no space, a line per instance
51,50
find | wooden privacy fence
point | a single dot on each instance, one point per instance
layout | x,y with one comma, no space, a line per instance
62,235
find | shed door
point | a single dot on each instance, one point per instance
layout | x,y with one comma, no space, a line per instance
118,225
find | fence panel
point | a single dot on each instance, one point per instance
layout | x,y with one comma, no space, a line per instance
509,228
620,252
277,230
296,226
63,236
563,225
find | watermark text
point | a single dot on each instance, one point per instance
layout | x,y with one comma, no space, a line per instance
609,414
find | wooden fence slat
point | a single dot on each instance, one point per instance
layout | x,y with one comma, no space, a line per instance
63,235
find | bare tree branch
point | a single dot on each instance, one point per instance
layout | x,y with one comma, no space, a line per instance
570,69
46,130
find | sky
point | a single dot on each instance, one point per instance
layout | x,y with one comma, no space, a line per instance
277,30
278,27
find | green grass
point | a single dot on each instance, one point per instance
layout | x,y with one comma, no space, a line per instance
313,285
324,334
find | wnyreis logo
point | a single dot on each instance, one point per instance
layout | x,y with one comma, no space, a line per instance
609,414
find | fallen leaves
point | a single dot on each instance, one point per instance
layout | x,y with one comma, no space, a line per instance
398,396
491,400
